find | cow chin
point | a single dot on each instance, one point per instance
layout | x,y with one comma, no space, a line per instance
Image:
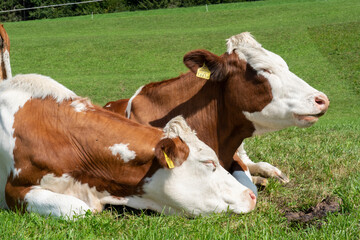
305,121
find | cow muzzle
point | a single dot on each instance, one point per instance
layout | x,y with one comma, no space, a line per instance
321,103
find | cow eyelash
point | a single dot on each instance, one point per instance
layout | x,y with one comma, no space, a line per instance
208,162
267,70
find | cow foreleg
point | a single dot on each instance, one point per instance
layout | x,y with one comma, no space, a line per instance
262,169
244,179
47,203
241,173
44,202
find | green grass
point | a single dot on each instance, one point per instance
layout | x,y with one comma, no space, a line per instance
110,56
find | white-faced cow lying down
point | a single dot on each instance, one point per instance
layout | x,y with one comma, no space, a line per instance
61,155
250,91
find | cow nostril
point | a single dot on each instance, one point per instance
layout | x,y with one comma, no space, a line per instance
322,102
252,195
319,101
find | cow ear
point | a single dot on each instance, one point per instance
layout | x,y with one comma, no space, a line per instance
198,58
171,152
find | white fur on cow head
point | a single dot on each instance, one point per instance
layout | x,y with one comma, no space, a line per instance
294,102
200,185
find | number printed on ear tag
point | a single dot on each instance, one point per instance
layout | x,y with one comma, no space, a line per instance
203,72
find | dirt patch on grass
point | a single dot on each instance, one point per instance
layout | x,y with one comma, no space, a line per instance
328,205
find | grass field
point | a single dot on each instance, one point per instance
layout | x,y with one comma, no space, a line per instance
110,56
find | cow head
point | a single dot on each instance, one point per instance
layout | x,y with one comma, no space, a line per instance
259,85
196,184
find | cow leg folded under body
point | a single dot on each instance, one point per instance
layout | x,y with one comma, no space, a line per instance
47,203
44,202
262,169
245,180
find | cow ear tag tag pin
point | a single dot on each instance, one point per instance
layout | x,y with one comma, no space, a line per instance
169,162
203,72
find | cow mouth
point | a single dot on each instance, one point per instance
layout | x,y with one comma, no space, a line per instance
310,118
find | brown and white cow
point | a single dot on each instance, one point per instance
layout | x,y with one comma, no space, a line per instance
61,155
251,91
5,69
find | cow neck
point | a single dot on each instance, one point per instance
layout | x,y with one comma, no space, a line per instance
199,101
159,102
240,93
77,144
203,104
193,98
232,131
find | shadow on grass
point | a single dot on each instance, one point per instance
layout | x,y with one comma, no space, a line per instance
122,211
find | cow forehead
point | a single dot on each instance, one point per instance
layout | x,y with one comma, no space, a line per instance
242,39
248,49
201,152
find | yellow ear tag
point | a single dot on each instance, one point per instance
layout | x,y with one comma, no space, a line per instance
169,162
203,72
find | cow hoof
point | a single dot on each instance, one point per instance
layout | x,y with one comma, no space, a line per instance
267,170
282,178
259,181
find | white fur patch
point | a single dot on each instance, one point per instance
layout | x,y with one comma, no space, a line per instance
69,186
16,172
7,65
128,107
242,39
45,202
81,105
10,102
248,49
177,127
6,57
78,106
38,86
123,151
66,197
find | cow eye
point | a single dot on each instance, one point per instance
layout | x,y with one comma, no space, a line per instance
268,71
210,163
